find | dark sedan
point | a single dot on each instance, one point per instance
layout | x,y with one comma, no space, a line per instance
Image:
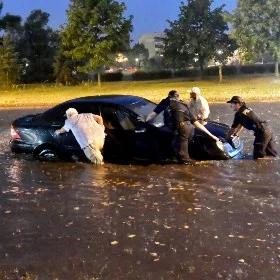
127,138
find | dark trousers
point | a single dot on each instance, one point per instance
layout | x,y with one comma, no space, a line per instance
264,144
181,145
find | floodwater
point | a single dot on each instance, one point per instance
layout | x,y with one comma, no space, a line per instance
213,220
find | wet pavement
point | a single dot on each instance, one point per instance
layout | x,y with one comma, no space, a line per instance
213,220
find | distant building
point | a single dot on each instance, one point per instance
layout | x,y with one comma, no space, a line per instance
153,42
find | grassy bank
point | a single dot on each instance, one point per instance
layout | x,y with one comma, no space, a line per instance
251,88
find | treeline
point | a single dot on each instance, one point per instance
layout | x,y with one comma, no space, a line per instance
32,52
97,31
27,49
213,71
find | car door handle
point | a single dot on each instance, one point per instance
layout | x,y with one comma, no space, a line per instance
56,125
140,130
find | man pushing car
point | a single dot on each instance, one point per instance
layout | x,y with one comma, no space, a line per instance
88,129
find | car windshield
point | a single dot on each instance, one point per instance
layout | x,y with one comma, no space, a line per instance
143,108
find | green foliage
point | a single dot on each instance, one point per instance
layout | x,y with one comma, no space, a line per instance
138,51
95,31
112,77
197,35
152,75
12,25
257,27
37,47
9,67
63,70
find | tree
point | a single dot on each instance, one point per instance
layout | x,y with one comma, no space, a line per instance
96,30
224,49
256,27
37,47
64,69
197,35
138,55
9,67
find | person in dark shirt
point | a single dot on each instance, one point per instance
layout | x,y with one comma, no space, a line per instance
164,106
184,123
246,117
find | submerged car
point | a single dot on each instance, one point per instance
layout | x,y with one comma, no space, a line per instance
127,138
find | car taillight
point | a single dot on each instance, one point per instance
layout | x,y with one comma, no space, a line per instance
14,133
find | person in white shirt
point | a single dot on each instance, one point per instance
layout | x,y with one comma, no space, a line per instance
88,129
199,106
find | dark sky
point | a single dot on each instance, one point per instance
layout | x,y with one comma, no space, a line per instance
149,15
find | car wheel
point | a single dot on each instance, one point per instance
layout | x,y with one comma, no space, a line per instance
46,153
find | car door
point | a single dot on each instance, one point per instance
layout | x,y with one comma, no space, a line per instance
127,136
117,143
54,120
67,139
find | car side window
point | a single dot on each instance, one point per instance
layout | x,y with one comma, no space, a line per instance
125,120
87,108
110,119
56,117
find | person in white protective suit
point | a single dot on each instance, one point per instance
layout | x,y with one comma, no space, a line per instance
88,129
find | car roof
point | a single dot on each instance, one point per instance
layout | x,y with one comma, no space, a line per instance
109,99
120,100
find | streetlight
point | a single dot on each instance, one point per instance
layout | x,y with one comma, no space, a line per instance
137,62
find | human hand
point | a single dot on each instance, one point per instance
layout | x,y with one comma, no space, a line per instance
216,138
141,119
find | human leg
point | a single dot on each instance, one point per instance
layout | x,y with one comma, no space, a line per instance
270,149
184,136
263,144
93,154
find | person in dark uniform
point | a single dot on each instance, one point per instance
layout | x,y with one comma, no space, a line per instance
164,106
184,123
246,117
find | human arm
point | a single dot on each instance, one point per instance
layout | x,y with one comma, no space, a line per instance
235,131
158,109
236,127
204,129
151,116
64,129
204,110
99,120
60,131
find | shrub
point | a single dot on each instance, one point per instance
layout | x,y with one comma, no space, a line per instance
112,77
142,76
187,73
257,68
230,69
211,71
